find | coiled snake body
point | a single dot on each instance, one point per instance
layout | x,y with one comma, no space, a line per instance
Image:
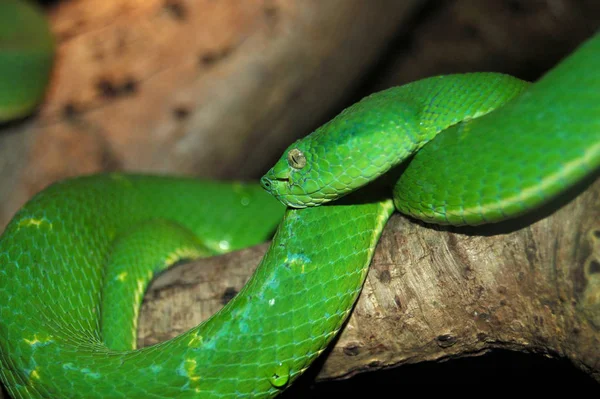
76,259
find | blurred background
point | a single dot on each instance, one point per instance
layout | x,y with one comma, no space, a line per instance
218,89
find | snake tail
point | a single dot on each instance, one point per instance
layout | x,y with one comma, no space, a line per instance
26,57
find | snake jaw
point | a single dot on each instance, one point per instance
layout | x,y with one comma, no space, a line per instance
280,184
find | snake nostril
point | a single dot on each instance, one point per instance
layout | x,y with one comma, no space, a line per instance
265,183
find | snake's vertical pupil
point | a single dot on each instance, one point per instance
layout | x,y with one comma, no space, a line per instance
296,159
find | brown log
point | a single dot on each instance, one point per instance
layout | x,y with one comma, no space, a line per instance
199,87
216,89
435,293
521,38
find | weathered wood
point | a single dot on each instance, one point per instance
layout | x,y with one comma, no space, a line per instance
199,87
433,293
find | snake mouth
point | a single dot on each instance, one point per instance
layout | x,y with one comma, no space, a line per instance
304,200
288,192
270,184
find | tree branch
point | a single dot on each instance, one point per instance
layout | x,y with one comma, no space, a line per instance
532,284
205,88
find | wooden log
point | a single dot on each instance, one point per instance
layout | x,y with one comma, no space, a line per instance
434,293
197,87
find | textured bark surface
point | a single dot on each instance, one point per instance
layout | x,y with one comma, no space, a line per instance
433,293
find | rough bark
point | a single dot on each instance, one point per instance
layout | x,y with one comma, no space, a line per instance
435,293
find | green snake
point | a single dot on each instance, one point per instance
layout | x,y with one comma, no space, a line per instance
76,259
26,54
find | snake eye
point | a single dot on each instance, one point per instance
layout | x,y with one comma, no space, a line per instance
296,159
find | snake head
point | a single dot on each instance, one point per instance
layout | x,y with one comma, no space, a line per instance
357,146
291,180
322,167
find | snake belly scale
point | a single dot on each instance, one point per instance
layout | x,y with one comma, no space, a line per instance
75,240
